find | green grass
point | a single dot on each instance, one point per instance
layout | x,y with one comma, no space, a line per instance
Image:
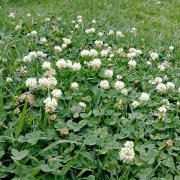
33,146
158,24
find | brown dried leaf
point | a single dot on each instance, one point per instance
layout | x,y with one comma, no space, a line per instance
31,99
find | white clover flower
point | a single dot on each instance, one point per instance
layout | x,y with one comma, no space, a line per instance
41,54
79,21
133,30
47,19
27,58
33,55
120,51
67,41
46,65
100,34
18,27
157,80
84,53
22,70
28,15
28,34
47,83
171,48
106,45
31,83
104,84
119,34
161,88
168,55
111,55
95,63
52,82
43,40
93,53
138,52
166,103
92,30
9,79
129,144
98,43
76,66
162,109
69,64
111,32
135,104
148,63
124,91
108,73
144,97
61,63
153,55
76,26
162,112
82,104
119,85
33,33
74,86
43,82
132,63
12,15
93,21
79,17
119,76
170,85
126,153
57,49
50,104
161,67
87,31
131,55
64,46
57,93
50,73
104,53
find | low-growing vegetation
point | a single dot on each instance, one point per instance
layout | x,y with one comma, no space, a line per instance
84,98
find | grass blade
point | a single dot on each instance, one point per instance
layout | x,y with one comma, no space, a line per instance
21,120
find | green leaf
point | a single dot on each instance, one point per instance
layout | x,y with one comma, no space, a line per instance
76,126
91,177
1,153
33,137
177,178
21,120
96,112
19,155
169,162
91,140
151,155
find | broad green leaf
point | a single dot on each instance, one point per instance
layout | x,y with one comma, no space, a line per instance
19,155
169,162
91,140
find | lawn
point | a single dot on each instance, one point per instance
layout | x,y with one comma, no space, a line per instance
89,89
